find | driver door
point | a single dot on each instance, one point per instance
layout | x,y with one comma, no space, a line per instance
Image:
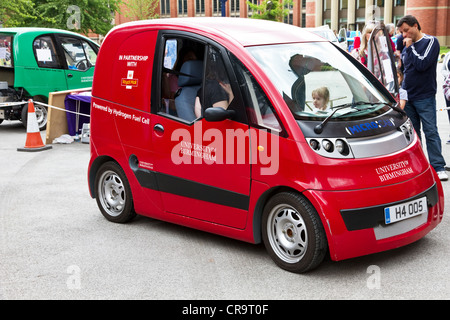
381,61
202,168
80,57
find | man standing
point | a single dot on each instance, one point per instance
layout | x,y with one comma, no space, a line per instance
420,57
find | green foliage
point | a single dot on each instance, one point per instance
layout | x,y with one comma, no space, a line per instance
142,9
15,13
76,15
271,9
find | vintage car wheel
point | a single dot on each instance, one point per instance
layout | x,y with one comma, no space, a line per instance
293,233
113,193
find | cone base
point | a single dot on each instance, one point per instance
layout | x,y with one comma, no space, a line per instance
34,149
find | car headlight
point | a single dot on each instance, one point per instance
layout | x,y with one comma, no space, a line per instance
315,145
331,147
327,145
342,147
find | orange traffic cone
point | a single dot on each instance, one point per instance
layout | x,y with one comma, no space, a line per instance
34,140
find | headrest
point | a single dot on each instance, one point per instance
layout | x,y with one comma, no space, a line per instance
191,73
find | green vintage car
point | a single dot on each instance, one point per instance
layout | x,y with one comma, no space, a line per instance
37,61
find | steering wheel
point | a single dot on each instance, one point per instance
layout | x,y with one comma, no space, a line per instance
82,64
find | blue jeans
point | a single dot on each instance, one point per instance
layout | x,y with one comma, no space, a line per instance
424,112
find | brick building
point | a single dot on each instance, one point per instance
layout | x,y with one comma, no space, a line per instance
433,15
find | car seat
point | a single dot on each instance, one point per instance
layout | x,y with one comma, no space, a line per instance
189,81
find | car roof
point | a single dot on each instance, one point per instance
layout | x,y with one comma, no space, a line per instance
23,30
248,32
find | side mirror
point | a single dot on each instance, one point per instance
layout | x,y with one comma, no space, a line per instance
218,114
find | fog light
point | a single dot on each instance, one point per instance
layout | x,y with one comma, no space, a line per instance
327,145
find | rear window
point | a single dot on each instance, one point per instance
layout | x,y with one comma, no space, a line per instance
5,51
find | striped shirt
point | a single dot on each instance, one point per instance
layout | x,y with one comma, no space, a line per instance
420,62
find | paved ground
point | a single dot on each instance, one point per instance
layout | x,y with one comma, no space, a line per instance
55,244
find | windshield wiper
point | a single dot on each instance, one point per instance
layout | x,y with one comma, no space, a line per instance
319,128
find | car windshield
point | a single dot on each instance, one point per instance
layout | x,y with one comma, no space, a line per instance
317,81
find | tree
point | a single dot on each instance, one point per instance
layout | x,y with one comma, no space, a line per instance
81,16
14,13
142,9
274,10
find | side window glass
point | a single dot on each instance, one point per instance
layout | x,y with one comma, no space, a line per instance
74,52
5,51
217,90
91,55
260,111
45,52
169,79
181,78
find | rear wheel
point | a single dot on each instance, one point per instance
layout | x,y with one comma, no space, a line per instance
293,233
114,193
40,111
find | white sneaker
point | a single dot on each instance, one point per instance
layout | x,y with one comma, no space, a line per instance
442,175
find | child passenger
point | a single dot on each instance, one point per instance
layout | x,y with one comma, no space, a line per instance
321,96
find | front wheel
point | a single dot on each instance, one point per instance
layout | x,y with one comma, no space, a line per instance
293,233
114,193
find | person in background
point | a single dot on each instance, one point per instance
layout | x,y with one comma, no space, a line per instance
446,88
356,42
403,95
399,46
446,73
420,57
361,53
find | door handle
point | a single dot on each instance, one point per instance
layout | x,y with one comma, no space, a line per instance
158,128
69,75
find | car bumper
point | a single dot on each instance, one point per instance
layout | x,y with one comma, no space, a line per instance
358,227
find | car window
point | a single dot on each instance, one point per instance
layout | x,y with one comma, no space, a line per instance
45,52
216,90
382,62
260,111
78,53
181,78
195,76
5,51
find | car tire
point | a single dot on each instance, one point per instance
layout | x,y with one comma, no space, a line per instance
41,114
292,233
113,193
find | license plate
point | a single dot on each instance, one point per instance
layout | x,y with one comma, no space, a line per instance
405,210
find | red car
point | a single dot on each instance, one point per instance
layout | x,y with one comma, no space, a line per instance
258,131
